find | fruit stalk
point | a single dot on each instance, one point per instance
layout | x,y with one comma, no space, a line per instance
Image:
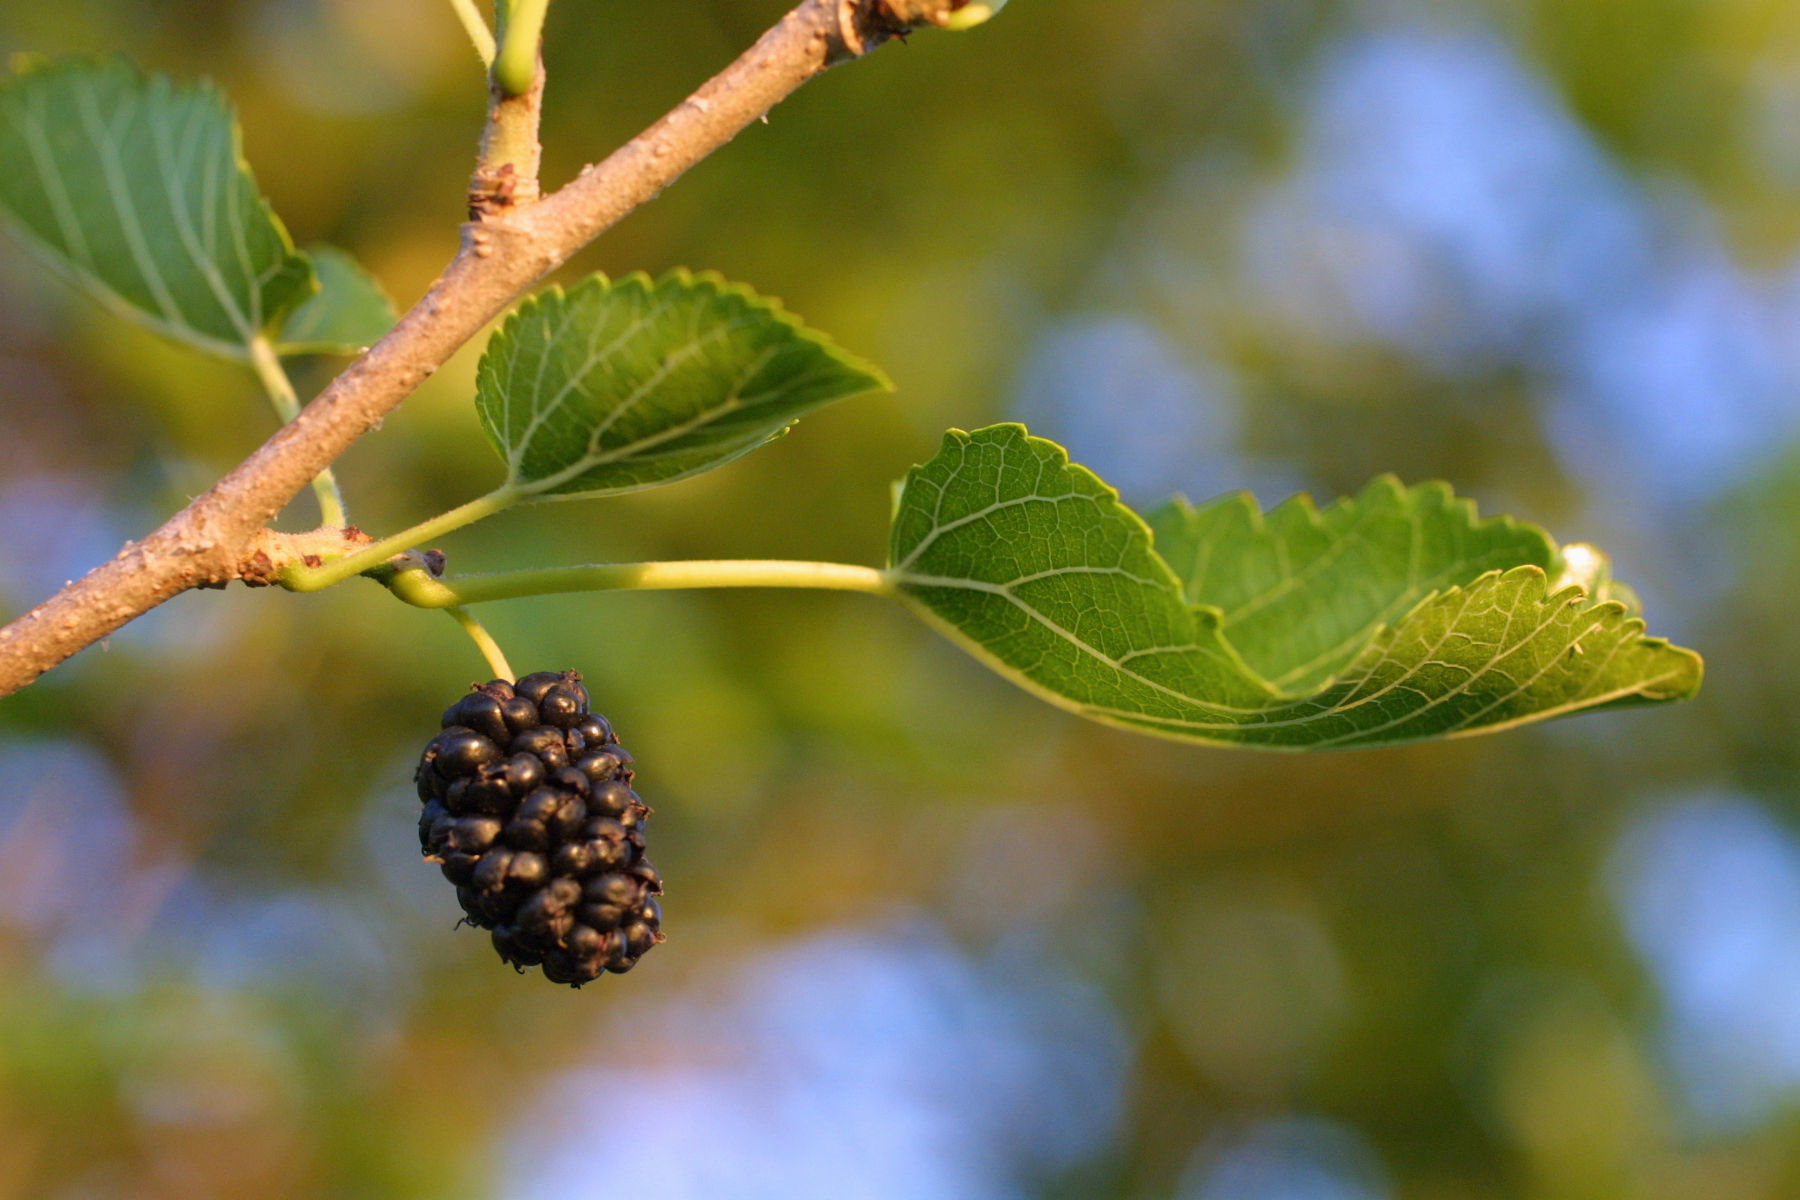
484,641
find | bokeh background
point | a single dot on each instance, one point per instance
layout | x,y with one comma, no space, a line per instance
929,937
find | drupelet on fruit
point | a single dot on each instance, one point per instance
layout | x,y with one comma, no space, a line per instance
528,807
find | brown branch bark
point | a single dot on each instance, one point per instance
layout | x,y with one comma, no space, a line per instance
509,247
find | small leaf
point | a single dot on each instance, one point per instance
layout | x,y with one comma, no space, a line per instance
350,313
138,188
1397,616
612,387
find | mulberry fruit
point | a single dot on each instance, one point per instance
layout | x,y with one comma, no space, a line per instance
529,812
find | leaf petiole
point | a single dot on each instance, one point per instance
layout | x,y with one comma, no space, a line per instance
312,579
418,588
476,28
274,378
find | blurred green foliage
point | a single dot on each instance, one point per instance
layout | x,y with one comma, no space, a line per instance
241,983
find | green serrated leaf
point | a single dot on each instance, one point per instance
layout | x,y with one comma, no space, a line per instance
1034,565
1303,591
138,188
350,313
612,387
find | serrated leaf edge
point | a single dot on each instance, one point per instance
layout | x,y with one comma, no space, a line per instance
1187,735
1381,636
1208,615
541,491
1536,581
1386,485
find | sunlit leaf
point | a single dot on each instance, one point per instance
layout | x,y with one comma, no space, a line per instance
611,387
138,188
1401,616
1303,591
350,313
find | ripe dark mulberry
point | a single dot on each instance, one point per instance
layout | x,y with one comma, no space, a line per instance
529,810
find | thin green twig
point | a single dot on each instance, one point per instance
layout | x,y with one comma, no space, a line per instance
476,28
490,649
286,401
